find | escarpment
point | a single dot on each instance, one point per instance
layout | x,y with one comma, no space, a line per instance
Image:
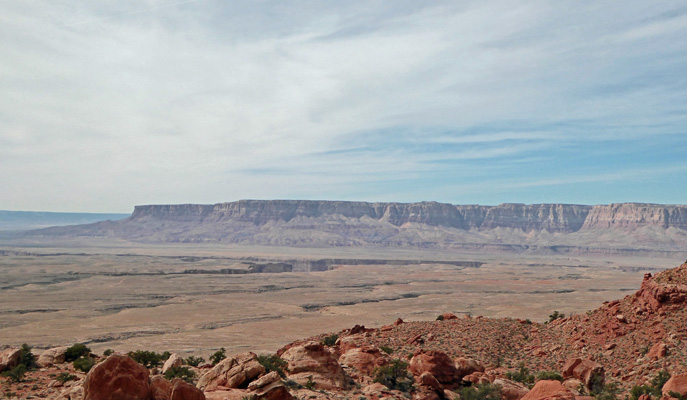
624,227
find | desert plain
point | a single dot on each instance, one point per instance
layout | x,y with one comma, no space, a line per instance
111,293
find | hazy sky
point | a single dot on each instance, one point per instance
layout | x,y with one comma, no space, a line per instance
106,105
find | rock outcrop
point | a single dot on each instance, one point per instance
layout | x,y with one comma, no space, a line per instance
9,359
587,371
436,363
549,390
52,356
118,377
233,372
313,362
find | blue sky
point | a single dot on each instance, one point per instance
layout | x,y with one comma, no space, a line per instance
106,105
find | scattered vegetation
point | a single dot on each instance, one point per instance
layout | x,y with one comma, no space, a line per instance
485,391
180,372
549,376
26,362
607,392
330,340
273,363
65,377
291,384
194,361
386,349
76,351
556,315
149,359
218,356
84,363
522,375
394,375
653,389
310,384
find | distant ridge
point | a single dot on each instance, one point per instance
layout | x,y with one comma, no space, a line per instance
426,224
22,220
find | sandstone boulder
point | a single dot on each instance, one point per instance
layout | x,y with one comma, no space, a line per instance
549,390
232,372
677,384
448,315
229,394
51,357
364,359
174,360
511,390
9,358
477,378
467,366
429,381
313,360
118,377
435,362
657,351
185,391
587,371
159,388
270,387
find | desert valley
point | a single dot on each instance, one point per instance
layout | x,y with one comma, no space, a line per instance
260,277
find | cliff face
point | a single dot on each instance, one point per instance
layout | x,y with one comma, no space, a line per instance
564,218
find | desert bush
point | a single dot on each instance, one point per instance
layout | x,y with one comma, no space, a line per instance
556,315
108,352
330,340
386,349
522,375
84,363
310,384
291,384
180,372
194,361
16,374
394,375
26,357
218,356
440,318
653,389
149,359
485,391
65,377
549,376
273,363
77,350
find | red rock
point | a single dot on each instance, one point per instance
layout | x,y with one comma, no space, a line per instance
467,366
174,360
313,360
364,359
269,387
511,390
159,389
233,372
230,394
185,391
9,358
586,371
477,378
118,377
398,322
549,390
428,380
677,384
448,315
357,329
416,339
435,362
657,351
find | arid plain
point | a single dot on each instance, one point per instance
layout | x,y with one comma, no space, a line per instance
124,296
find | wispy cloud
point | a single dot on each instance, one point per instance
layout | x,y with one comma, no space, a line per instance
108,105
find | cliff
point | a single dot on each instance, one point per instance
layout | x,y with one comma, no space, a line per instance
509,227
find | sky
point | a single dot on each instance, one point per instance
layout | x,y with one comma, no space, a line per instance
105,105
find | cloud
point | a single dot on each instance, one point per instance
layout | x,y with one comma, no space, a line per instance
108,105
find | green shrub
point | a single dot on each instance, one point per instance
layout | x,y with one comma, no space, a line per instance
394,375
310,384
522,375
194,361
65,377
16,374
549,376
76,351
218,356
485,391
180,372
386,349
653,389
440,318
84,363
291,384
608,392
330,340
556,315
273,363
26,357
108,352
149,359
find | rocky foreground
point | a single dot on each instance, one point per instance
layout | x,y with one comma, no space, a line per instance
626,348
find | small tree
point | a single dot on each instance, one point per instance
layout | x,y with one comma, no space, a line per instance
218,356
394,375
75,351
556,315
